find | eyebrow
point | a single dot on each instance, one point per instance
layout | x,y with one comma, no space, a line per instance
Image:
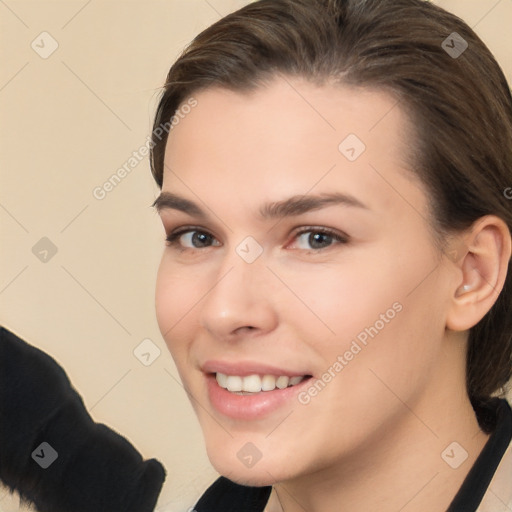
295,205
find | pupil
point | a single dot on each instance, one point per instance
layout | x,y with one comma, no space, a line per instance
317,238
202,238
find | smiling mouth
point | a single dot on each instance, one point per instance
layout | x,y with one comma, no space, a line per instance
254,384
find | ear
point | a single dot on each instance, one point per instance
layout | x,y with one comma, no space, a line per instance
482,258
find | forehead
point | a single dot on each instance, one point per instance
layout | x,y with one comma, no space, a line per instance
291,137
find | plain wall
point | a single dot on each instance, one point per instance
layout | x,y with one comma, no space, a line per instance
68,122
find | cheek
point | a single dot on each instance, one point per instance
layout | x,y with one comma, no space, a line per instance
390,340
340,300
377,307
174,301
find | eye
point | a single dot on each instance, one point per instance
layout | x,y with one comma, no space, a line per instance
318,238
188,238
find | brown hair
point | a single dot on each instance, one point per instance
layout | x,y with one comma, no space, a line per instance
460,104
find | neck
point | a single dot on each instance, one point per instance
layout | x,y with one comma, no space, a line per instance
413,467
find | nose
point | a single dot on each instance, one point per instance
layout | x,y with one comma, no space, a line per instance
240,300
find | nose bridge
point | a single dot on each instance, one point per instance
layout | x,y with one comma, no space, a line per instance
239,272
237,298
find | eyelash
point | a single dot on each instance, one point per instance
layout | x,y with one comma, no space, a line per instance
173,239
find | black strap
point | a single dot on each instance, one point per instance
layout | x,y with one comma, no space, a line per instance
477,481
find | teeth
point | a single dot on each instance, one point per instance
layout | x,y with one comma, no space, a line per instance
234,383
282,382
255,383
268,383
222,380
250,383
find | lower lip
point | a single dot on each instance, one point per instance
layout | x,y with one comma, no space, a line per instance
250,407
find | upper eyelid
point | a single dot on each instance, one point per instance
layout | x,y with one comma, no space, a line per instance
185,229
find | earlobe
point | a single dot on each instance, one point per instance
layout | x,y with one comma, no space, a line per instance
483,265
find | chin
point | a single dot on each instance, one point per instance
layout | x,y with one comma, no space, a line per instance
261,474
248,478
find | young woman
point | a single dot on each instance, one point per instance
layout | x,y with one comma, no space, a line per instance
336,288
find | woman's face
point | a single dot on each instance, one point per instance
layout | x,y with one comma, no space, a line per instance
305,254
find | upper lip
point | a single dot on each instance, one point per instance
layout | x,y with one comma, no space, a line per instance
244,368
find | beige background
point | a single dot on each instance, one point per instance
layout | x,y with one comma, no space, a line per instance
68,122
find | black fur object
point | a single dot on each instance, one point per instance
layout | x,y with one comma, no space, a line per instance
96,469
